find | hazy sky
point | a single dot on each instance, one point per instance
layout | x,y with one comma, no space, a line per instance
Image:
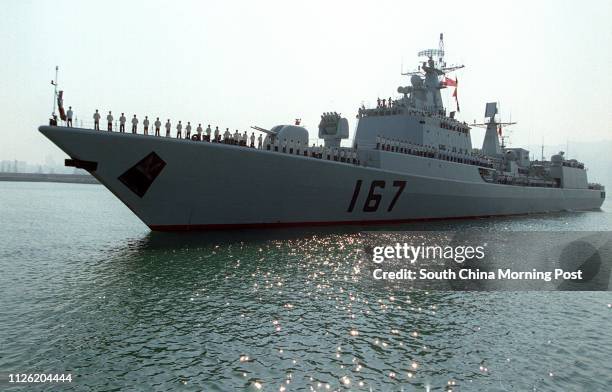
241,63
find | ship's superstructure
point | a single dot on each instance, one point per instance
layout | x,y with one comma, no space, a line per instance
409,159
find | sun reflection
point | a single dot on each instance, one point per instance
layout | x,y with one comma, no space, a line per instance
345,380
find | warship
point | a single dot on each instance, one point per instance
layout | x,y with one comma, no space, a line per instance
409,160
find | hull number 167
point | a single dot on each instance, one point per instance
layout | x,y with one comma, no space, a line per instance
374,199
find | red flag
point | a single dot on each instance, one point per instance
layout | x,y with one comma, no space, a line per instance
60,105
449,82
456,81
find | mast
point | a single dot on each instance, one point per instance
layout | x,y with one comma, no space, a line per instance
54,83
491,145
429,79
441,50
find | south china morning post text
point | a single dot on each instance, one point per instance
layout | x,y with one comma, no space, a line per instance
458,254
485,262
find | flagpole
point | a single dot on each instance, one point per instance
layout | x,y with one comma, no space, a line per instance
54,83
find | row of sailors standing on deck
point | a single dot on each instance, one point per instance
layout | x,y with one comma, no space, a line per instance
122,120
205,135
320,152
384,103
380,104
238,139
395,145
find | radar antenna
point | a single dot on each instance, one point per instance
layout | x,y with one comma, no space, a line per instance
440,65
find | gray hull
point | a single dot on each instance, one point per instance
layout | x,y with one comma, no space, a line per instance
208,185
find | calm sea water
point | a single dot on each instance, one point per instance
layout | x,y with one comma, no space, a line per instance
86,288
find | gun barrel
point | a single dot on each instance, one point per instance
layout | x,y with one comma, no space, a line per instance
260,129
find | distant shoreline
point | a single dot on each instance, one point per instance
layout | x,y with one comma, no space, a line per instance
40,177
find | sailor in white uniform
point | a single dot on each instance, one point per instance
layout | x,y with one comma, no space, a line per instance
109,120
122,123
168,127
188,130
227,136
236,137
259,141
217,134
179,128
208,133
199,131
96,118
69,117
134,124
145,125
157,126
252,139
